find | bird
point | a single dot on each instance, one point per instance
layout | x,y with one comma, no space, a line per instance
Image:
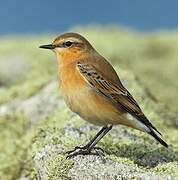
92,89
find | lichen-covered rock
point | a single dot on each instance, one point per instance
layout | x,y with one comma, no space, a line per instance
94,167
37,128
38,106
128,153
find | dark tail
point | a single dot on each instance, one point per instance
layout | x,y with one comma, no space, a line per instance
152,133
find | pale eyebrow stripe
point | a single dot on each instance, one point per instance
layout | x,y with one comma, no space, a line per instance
73,40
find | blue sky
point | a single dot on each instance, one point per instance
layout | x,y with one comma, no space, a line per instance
39,16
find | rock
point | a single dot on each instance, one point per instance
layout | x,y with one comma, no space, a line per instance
90,166
42,104
43,158
94,167
37,128
128,153
38,106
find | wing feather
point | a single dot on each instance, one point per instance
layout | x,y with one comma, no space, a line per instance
115,92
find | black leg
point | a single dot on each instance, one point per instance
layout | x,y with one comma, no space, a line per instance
90,142
101,135
91,145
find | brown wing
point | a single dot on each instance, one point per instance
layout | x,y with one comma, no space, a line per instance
115,92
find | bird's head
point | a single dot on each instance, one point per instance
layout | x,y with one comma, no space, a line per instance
70,45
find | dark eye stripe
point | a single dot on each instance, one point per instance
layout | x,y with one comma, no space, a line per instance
64,44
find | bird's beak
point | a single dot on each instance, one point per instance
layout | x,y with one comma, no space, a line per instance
48,46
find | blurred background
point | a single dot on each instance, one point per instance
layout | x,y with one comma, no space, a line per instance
36,17
138,36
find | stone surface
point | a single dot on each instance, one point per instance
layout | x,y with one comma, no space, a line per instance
37,128
128,153
38,106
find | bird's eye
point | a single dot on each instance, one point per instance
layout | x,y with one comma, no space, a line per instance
68,43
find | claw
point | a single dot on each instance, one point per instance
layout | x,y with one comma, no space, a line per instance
77,147
80,152
84,150
99,148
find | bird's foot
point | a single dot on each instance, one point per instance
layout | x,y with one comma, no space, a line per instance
85,150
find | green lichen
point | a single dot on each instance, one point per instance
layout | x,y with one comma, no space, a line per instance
138,153
49,131
143,55
59,167
13,145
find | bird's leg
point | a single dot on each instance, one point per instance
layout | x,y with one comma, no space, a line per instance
91,145
88,145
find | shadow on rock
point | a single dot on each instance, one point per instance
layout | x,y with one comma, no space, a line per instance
142,155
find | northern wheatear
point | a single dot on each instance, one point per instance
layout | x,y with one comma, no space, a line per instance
92,89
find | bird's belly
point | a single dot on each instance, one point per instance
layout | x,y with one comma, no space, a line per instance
92,106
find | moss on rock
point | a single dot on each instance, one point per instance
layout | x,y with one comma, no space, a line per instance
37,128
13,145
123,146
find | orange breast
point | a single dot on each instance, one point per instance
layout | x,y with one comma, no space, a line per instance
85,101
